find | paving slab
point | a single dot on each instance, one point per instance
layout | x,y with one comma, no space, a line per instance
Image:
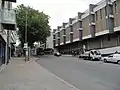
21,75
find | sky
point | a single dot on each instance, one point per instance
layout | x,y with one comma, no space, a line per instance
59,10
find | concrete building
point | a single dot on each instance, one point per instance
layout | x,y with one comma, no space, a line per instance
49,42
7,22
96,28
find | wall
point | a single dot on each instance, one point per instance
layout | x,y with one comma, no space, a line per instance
100,20
61,36
94,43
116,13
109,41
75,30
68,34
86,27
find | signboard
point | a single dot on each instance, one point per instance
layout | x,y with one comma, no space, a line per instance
26,53
25,46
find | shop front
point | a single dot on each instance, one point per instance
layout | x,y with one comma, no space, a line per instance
2,51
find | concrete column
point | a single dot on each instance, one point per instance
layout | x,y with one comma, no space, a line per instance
71,29
7,44
118,40
6,54
88,47
101,43
64,33
109,16
80,26
1,53
92,19
58,37
54,38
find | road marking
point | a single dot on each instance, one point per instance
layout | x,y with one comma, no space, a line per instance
63,81
60,79
2,67
70,85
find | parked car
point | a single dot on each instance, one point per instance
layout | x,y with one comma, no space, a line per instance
112,58
57,54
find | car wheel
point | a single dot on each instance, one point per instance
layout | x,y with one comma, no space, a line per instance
118,62
84,58
92,59
105,60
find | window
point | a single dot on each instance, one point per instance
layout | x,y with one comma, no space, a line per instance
115,7
105,11
96,15
3,3
101,13
109,38
58,34
53,36
110,56
9,6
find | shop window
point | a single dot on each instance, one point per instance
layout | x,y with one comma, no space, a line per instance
105,10
109,38
96,15
115,7
101,13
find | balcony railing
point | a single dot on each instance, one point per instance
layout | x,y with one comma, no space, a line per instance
10,0
8,16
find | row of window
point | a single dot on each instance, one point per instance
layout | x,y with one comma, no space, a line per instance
106,11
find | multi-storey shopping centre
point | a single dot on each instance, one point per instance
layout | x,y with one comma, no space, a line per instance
96,28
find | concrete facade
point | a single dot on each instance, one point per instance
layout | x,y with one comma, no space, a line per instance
7,22
96,28
49,42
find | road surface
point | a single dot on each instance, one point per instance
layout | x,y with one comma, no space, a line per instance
83,74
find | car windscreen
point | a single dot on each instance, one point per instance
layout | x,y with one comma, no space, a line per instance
97,52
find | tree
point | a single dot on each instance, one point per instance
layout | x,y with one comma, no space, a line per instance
38,28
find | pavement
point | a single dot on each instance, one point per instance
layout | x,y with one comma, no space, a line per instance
21,75
83,74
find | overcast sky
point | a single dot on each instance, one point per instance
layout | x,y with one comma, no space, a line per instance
59,10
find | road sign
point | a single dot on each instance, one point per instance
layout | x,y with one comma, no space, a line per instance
25,46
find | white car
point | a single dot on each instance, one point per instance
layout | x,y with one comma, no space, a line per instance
113,58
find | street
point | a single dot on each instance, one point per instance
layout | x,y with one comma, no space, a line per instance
83,74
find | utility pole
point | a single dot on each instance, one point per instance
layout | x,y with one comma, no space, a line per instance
26,28
26,50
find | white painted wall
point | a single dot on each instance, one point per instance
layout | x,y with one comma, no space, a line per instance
110,50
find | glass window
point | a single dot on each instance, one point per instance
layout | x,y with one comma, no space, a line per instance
115,7
9,6
96,15
97,52
101,13
105,11
92,53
